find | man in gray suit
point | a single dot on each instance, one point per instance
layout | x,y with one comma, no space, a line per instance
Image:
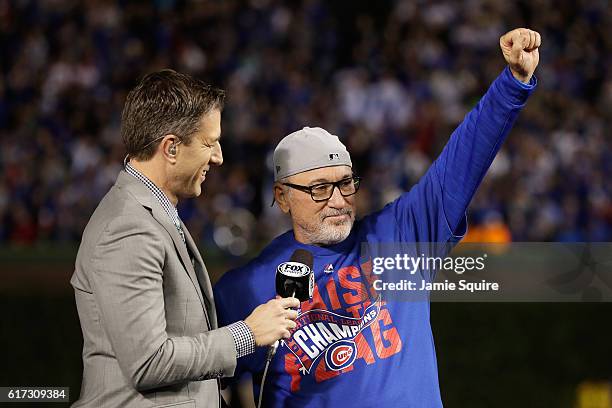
142,291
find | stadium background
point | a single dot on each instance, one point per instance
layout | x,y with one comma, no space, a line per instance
391,78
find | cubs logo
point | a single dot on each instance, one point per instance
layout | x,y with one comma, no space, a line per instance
323,333
341,355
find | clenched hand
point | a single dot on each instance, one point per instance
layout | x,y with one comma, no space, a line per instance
520,49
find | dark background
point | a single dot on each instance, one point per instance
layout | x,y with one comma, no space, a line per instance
391,78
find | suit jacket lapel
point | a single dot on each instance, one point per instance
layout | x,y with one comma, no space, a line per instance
160,215
144,196
202,275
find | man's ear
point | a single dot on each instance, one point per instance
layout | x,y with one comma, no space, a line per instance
280,195
167,147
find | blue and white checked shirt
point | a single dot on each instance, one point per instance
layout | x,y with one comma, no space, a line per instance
243,337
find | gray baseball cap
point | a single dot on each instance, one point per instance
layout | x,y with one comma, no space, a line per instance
308,149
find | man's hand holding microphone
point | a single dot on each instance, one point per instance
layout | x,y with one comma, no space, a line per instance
273,320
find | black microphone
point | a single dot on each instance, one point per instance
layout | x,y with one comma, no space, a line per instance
294,279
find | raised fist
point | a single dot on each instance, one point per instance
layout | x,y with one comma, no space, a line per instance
520,49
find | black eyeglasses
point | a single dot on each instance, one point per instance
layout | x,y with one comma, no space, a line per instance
324,191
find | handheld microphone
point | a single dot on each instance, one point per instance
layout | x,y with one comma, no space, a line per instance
294,279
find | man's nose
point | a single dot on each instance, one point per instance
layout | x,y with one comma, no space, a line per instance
336,200
217,156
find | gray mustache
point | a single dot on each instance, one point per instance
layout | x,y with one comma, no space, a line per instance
347,211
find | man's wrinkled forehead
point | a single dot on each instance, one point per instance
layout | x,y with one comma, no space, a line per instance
322,175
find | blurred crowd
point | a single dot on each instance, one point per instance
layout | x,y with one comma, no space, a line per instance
392,79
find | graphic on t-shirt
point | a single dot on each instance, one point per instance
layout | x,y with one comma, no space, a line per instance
321,332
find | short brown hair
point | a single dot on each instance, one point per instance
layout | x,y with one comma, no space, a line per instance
165,102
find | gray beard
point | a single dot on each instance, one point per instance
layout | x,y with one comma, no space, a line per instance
328,234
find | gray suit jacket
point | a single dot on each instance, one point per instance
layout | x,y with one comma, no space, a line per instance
147,313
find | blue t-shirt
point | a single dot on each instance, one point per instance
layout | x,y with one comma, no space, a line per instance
352,347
